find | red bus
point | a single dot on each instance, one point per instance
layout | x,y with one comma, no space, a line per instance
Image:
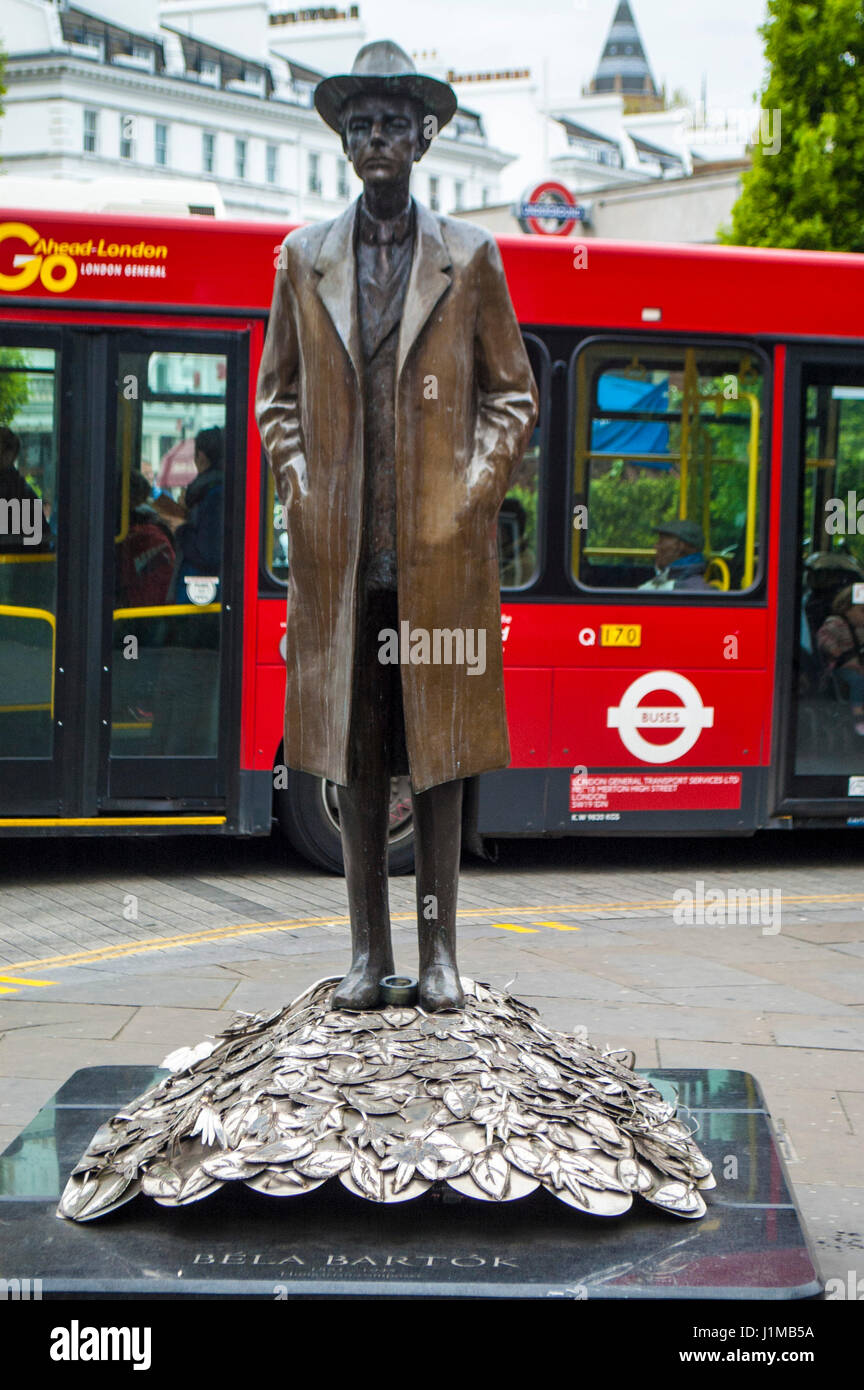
716,387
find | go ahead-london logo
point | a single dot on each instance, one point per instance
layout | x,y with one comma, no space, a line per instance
27,259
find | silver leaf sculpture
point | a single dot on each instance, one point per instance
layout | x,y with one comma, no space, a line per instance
488,1100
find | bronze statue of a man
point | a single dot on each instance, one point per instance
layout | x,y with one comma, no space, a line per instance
395,400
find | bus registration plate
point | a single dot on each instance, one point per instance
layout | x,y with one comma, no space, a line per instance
620,634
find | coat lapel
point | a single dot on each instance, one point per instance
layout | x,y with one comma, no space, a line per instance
337,287
430,277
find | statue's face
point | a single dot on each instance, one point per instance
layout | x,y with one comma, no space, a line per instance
381,137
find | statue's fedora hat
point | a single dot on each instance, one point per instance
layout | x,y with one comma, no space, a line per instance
384,65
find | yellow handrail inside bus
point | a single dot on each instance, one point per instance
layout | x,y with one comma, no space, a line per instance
752,491
9,610
618,550
752,480
725,579
174,610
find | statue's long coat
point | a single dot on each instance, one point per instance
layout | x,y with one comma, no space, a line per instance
466,405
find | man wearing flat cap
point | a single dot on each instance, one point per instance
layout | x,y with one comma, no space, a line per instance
395,401
679,562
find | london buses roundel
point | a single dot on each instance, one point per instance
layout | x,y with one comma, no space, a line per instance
630,717
548,209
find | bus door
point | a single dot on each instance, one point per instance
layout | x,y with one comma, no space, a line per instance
119,579
169,728
820,678
33,418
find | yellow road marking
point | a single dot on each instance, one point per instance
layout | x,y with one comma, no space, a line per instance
15,980
168,943
556,926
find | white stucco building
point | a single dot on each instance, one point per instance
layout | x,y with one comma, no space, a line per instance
211,91
214,98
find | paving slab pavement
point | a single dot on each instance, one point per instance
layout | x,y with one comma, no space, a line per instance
588,942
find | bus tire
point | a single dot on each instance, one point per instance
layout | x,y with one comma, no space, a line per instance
309,819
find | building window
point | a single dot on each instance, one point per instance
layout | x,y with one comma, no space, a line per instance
485,197
161,143
127,137
208,151
342,179
240,159
272,163
434,193
314,182
458,195
91,131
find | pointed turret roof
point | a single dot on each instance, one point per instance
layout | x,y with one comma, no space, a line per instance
623,66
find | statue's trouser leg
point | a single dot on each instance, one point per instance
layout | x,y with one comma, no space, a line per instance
364,806
438,837
363,814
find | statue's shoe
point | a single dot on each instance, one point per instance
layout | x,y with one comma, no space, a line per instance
440,989
360,989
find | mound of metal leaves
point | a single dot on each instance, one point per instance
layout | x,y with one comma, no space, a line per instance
389,1102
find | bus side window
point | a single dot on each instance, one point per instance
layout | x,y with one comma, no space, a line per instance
667,467
518,550
275,533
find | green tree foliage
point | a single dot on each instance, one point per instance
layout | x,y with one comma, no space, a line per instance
14,388
810,193
624,511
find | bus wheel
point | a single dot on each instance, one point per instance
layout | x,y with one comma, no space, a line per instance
309,818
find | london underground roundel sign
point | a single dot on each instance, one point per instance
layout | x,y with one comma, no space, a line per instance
548,209
689,718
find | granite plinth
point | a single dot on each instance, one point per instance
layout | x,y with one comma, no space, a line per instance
241,1243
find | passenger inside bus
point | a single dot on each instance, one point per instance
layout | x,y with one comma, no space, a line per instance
841,642
198,539
679,562
826,572
25,527
145,556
